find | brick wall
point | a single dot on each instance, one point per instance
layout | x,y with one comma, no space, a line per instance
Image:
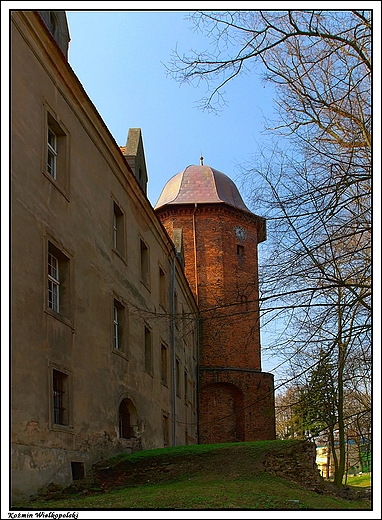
236,405
221,265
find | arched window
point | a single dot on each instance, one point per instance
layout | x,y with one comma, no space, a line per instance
126,416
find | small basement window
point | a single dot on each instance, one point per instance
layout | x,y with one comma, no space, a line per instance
78,470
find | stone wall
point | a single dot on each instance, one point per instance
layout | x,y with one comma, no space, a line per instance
297,463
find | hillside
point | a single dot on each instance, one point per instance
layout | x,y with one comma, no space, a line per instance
253,475
293,460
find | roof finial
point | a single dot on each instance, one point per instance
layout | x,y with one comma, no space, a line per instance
201,158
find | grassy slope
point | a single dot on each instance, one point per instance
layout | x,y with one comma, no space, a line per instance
196,477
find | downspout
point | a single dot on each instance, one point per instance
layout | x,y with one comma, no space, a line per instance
195,256
198,376
198,325
173,342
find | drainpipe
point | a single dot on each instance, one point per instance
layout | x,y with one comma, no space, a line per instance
195,256
198,320
173,342
198,376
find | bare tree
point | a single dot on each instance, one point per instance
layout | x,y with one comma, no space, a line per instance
314,184
288,422
318,196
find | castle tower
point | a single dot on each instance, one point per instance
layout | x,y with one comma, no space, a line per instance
220,237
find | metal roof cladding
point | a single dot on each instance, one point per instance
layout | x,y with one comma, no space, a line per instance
202,185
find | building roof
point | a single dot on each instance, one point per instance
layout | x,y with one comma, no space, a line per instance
202,185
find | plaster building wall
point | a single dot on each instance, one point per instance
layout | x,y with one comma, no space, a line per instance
92,370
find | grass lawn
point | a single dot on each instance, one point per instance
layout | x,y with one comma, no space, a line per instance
266,492
201,477
363,480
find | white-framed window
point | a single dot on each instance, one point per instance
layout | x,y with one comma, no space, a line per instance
115,230
53,283
145,263
120,327
58,281
185,387
148,351
116,328
118,230
52,150
60,398
164,365
162,288
165,428
56,152
118,318
177,377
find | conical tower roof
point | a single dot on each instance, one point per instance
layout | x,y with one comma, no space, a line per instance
200,184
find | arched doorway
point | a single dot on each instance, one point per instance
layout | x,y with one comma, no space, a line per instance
127,419
222,414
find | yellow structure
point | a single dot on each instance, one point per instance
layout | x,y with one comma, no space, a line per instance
104,324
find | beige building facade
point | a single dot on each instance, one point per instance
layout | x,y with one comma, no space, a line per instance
104,324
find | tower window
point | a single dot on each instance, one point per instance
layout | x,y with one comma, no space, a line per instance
240,254
244,301
240,251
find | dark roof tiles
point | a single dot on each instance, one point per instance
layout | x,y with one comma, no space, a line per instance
202,185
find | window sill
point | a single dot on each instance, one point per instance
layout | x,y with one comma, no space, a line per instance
119,254
61,318
62,428
146,284
57,186
120,353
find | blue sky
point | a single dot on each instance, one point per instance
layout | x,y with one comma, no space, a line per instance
120,59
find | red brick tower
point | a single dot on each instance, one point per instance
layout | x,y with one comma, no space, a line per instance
220,237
